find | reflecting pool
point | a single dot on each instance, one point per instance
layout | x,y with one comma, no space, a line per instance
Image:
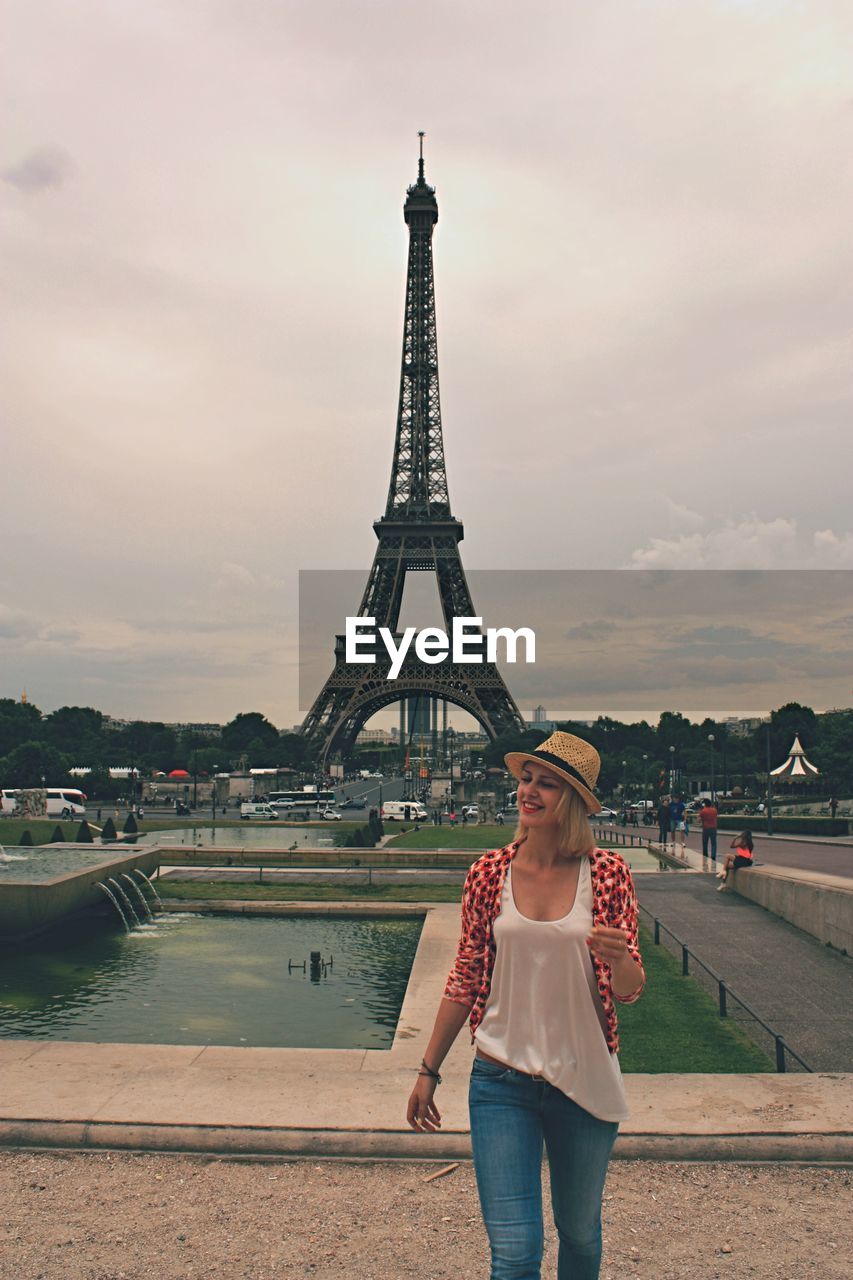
225,980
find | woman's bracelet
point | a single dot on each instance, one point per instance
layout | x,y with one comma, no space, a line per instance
424,1070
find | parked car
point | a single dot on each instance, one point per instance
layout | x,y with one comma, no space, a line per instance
470,811
331,815
605,814
281,806
352,804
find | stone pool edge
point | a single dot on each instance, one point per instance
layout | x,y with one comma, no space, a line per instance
350,1103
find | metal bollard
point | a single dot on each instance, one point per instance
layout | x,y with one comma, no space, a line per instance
723,1007
657,932
685,965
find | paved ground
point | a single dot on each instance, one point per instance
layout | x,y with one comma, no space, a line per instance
153,1217
802,989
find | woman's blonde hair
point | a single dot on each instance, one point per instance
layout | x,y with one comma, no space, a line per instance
574,834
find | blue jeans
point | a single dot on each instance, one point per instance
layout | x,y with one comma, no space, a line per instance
709,837
512,1114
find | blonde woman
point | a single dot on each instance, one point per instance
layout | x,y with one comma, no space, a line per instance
549,942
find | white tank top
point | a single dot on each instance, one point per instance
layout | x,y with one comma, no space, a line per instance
544,1014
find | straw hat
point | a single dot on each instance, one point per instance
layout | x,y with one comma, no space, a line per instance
572,759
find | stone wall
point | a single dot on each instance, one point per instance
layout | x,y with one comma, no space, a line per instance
820,905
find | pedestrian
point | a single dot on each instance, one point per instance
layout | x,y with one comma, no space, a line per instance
676,820
708,815
742,857
549,942
833,807
664,821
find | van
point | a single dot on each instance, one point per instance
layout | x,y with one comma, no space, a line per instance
403,811
254,810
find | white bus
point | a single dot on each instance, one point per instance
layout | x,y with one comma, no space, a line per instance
60,802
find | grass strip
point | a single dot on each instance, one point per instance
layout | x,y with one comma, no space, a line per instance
676,1026
252,891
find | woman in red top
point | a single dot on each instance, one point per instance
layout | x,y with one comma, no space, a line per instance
549,942
742,857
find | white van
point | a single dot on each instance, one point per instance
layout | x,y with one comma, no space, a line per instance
403,811
254,810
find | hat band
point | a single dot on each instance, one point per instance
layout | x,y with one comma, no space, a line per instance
561,764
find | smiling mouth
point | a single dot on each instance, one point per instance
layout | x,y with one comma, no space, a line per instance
528,807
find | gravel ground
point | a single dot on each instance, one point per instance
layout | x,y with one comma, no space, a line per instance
123,1217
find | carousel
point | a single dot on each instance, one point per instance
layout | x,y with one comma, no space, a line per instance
797,771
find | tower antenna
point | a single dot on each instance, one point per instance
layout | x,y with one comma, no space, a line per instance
421,157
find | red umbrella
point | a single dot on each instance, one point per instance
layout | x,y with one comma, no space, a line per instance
179,773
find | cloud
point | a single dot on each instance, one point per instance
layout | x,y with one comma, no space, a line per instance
40,170
833,550
751,543
15,625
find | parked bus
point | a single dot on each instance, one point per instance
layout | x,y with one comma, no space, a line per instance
60,802
312,799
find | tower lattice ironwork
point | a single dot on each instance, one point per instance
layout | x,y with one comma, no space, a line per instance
417,533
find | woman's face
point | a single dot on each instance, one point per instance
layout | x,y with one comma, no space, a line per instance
539,791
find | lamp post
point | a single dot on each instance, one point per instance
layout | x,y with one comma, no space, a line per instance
713,789
624,792
645,776
451,737
213,793
769,785
671,770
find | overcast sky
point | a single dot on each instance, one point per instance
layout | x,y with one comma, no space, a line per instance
643,266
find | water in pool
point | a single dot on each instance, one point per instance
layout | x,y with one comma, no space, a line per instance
195,979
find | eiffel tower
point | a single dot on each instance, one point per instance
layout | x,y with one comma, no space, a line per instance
417,534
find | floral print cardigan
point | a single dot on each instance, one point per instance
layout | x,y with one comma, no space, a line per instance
614,905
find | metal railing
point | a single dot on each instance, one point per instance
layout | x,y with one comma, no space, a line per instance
612,836
724,993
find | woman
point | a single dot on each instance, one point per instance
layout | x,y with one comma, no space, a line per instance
549,940
742,857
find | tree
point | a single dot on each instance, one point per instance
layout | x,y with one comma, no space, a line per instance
31,762
245,731
19,722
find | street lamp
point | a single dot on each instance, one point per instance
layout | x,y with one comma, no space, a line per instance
624,791
769,785
451,738
713,789
671,770
645,776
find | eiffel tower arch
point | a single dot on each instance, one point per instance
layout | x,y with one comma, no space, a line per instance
417,534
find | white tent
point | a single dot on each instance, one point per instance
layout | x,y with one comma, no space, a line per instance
797,768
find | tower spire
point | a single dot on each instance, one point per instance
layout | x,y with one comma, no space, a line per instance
421,157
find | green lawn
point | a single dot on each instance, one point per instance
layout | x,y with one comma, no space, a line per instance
447,837
674,1027
217,890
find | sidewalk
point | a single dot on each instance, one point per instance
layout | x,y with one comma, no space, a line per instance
802,989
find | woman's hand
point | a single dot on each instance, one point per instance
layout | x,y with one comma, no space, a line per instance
608,945
611,947
422,1113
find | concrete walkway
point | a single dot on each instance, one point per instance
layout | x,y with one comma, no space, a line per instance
351,1102
802,989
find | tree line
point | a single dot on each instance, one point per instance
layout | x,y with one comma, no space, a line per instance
35,746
